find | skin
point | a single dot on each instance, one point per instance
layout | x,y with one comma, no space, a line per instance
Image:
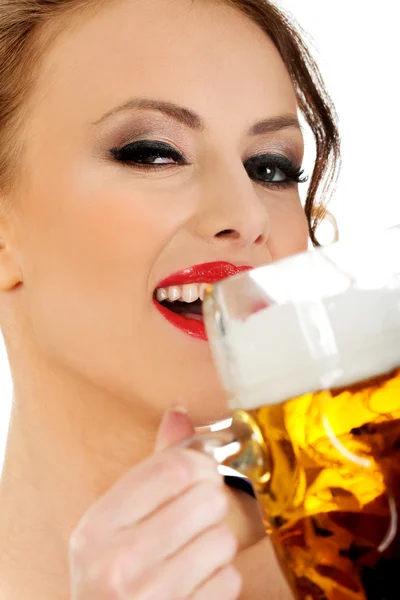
87,241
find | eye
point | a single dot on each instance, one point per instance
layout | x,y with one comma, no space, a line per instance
273,170
148,154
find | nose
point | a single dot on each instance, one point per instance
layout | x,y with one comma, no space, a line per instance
231,211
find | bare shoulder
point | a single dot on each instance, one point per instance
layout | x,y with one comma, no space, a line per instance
261,573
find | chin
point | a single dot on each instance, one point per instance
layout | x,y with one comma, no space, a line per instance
208,410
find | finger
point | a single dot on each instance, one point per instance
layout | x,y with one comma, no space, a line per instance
143,490
166,532
179,576
226,584
175,426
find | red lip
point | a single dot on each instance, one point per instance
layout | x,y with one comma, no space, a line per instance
206,273
211,272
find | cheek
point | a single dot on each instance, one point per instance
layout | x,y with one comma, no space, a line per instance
97,229
288,227
88,261
123,223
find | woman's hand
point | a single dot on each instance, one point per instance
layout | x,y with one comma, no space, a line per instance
158,533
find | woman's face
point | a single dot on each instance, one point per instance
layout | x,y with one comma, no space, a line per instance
149,151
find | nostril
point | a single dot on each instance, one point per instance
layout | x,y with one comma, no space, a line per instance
232,234
228,233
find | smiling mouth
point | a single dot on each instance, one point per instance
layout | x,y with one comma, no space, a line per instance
183,300
179,297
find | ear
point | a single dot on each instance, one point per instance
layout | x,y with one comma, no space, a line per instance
10,271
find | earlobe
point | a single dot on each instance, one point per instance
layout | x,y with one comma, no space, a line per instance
10,272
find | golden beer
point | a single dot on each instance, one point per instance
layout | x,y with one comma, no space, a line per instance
330,492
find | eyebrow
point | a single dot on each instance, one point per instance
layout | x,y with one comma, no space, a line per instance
274,124
179,113
193,121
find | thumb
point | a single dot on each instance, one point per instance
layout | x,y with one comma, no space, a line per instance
175,426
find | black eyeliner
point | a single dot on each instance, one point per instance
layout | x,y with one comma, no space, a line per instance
293,173
143,154
146,148
276,160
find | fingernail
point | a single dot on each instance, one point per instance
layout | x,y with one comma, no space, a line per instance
170,412
179,409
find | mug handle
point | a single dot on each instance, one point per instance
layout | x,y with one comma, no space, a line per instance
239,447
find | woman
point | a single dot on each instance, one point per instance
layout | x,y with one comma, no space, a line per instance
146,147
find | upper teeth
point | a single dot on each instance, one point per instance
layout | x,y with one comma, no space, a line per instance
186,293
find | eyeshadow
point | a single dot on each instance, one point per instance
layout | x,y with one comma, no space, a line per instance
130,127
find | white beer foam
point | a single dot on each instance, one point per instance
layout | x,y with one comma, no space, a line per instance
288,350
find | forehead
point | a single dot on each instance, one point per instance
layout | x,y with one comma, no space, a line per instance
202,54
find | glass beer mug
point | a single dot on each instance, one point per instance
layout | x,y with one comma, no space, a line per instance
308,350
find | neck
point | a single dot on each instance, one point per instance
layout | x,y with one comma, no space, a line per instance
67,445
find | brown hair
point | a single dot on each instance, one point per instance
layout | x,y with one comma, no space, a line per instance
24,28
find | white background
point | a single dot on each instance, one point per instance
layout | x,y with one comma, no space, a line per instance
356,43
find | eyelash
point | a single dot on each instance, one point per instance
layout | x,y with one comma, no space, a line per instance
136,153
